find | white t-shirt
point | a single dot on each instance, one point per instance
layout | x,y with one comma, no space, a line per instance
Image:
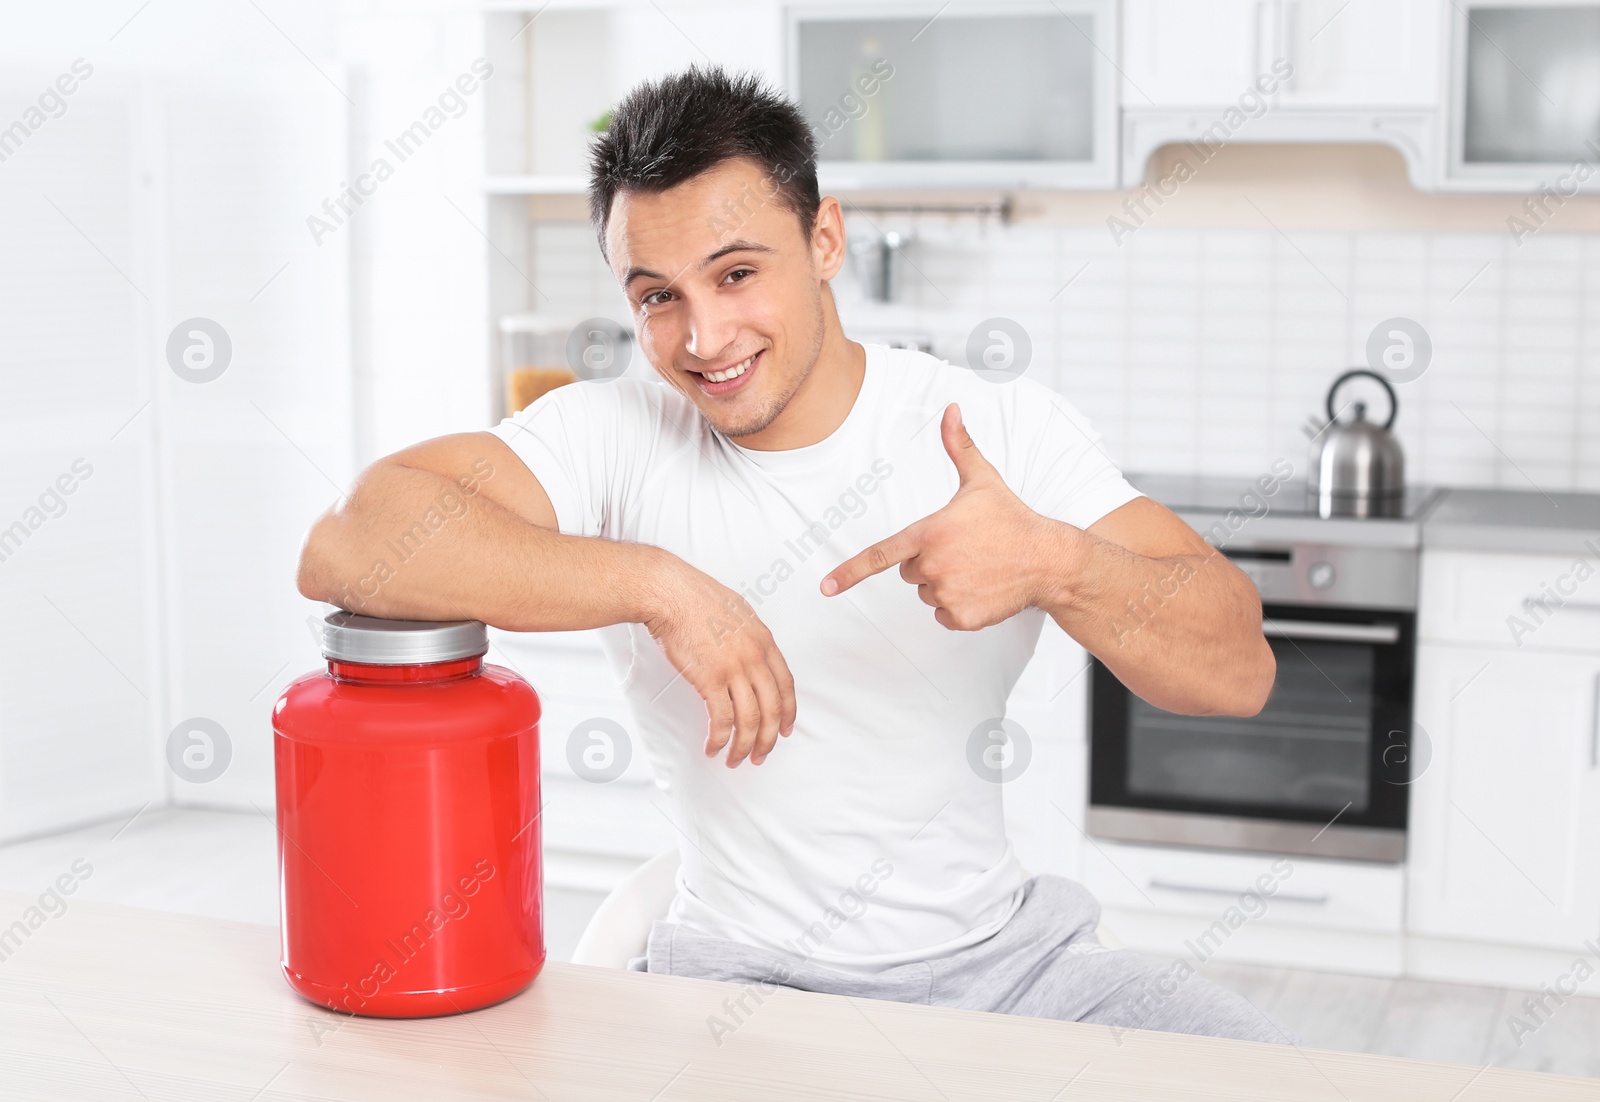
866,839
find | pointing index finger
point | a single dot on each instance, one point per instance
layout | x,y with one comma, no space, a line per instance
875,559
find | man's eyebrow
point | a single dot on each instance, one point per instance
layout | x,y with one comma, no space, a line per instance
730,247
640,273
737,247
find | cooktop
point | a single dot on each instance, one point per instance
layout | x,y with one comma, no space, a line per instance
1284,497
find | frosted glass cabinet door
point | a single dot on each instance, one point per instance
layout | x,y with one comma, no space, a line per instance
924,95
1526,94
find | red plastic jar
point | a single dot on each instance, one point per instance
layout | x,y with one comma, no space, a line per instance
410,881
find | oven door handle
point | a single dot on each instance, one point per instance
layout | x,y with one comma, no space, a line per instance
1327,629
1202,889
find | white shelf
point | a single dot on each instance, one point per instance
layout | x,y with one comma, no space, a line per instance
539,7
535,185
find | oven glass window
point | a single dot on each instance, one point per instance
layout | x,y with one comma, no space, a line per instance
1308,748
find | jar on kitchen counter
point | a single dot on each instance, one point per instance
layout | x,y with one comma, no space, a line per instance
410,878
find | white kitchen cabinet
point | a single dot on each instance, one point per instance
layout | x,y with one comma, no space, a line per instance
252,457
558,71
1020,93
1045,803
1344,53
80,682
596,826
1505,818
1382,53
1201,884
1282,71
1526,602
1176,53
1523,98
160,589
80,666
1051,696
577,689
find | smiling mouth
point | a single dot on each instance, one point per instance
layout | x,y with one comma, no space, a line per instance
720,382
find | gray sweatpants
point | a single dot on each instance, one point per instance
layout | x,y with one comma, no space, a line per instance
1046,962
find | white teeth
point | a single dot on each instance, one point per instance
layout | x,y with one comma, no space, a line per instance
732,373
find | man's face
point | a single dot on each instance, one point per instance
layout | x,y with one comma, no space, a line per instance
725,290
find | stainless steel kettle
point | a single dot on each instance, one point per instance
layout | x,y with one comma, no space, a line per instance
1358,468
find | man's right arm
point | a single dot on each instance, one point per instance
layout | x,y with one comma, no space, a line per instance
459,528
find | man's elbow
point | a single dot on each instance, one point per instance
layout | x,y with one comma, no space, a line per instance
315,574
1256,668
1254,684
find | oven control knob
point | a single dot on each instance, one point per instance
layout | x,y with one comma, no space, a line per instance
1320,575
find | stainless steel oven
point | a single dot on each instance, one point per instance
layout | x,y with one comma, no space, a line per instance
1323,770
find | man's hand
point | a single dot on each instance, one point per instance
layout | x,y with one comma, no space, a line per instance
979,560
712,636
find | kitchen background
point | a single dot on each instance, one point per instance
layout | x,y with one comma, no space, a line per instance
1195,307
1204,349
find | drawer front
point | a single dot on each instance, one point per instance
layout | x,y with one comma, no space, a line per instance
588,731
568,663
1246,888
1548,602
607,820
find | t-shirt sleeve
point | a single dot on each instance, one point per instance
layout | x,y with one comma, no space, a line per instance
1066,473
582,442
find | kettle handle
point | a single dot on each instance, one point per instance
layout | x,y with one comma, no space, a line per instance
1394,403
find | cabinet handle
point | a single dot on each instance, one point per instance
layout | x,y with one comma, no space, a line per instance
1531,603
1289,19
1202,889
1594,729
1255,42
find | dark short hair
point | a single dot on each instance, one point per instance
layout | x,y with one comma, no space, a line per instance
670,130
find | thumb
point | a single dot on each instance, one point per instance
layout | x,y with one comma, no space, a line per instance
971,466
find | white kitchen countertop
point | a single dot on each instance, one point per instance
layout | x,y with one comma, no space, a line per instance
1527,521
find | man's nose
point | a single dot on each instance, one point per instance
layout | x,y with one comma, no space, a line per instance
712,329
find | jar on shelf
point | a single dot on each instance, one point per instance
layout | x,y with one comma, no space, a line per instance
539,352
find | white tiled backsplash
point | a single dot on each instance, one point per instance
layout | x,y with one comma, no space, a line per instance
1205,350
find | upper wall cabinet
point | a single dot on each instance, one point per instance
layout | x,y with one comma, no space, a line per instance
1364,53
1525,96
1177,53
561,65
1475,94
1337,53
1281,71
991,95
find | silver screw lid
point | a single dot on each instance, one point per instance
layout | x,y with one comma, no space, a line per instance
351,637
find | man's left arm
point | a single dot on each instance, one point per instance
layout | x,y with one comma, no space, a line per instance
1177,622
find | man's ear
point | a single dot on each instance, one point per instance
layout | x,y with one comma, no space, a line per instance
827,238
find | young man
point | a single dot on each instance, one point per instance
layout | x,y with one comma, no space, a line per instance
831,561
